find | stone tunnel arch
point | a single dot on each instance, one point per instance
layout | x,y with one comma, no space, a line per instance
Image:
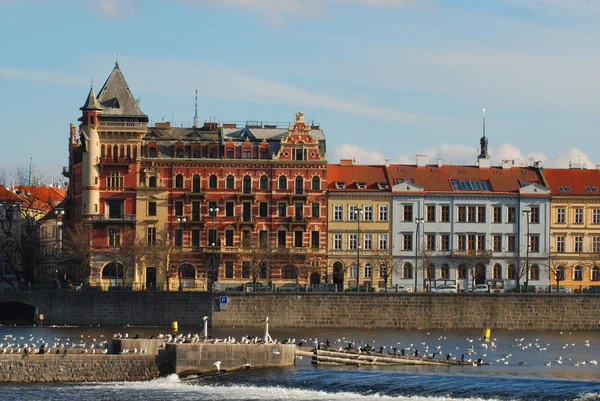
14,312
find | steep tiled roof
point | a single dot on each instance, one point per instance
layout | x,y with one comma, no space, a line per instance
356,178
40,198
6,195
115,96
435,178
573,181
91,103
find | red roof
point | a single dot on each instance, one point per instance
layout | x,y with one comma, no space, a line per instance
353,175
39,197
435,178
563,181
5,195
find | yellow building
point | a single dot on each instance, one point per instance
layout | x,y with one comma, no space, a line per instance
359,221
574,226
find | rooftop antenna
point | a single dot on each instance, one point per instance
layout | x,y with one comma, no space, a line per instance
30,170
196,119
484,122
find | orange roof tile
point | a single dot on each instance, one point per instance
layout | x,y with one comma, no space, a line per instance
438,179
352,174
564,181
6,194
39,197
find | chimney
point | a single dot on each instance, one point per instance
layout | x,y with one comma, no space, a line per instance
507,164
387,162
166,125
346,162
421,160
440,163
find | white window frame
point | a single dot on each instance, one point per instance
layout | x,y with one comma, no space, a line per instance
337,242
368,213
383,242
596,216
383,212
352,212
367,241
578,215
352,242
561,214
338,212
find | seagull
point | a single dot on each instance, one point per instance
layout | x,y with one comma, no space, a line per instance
218,365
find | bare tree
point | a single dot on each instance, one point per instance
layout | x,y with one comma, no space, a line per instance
159,254
472,259
557,267
388,266
257,257
304,264
76,251
130,252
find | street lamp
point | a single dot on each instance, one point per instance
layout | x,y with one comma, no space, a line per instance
180,220
213,213
57,214
418,221
357,212
527,213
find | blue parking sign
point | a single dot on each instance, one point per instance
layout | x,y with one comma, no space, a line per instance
224,300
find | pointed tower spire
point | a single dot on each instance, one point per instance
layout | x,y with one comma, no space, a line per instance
91,103
483,142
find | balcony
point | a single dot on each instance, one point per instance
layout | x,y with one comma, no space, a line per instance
297,221
102,219
116,161
246,193
199,193
298,194
229,249
121,126
472,253
245,220
196,222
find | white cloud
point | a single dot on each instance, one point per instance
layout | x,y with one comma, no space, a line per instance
112,8
357,153
564,157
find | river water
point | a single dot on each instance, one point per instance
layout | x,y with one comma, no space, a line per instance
523,366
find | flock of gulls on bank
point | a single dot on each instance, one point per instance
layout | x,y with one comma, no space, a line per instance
475,351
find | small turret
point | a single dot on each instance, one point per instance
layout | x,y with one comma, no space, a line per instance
484,160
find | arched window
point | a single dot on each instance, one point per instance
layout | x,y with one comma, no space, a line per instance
247,184
512,272
196,153
497,272
534,272
112,270
128,152
134,152
263,272
213,153
179,181
407,271
353,271
152,182
368,270
316,183
445,271
187,271
282,182
595,273
212,182
102,151
461,271
560,273
289,272
179,153
196,183
152,152
122,154
383,272
430,272
229,182
338,270
577,273
299,185
116,153
264,182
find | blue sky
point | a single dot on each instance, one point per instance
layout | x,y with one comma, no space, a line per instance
384,78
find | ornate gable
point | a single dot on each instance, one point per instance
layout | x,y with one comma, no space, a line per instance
299,144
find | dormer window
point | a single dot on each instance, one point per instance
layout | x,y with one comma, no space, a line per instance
591,189
381,185
340,185
525,172
361,185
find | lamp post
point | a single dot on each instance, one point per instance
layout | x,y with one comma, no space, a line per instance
180,220
418,221
357,214
57,214
527,214
213,213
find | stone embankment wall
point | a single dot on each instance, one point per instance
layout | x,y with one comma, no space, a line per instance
414,311
45,368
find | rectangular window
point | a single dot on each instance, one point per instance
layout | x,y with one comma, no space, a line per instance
511,243
179,237
298,238
114,237
578,243
282,209
383,242
596,244
263,238
264,153
246,238
116,209
471,241
481,242
561,214
229,209
352,242
281,236
462,214
383,212
481,214
228,269
338,212
534,215
461,271
560,244
195,211
151,235
444,242
298,211
228,237
368,212
407,242
579,215
445,214
407,213
472,214
595,216
430,213
245,269
151,208
230,153
178,208
115,180
314,239
497,214
511,215
462,242
352,212
497,243
263,209
534,243
195,238
368,242
337,242
212,237
316,209
430,242
246,153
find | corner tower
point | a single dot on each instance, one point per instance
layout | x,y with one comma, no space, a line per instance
90,144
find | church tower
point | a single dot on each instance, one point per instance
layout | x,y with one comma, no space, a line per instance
484,160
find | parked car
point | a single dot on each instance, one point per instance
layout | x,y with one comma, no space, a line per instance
531,289
397,288
291,287
593,289
445,288
257,287
360,288
323,287
480,288
558,290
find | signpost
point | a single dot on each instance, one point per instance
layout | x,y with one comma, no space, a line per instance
223,301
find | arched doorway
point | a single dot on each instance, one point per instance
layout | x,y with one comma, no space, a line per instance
113,275
480,274
315,279
16,313
338,276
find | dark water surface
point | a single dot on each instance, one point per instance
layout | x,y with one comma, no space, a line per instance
523,366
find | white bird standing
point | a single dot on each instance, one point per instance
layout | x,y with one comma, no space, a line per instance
218,365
